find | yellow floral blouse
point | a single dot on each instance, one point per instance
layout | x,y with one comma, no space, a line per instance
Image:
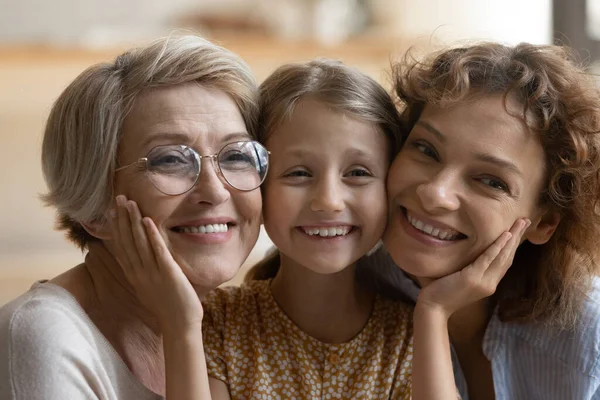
254,348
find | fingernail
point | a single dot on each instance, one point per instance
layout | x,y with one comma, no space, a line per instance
527,223
129,206
120,200
113,213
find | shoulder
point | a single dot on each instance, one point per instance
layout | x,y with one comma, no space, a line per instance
46,336
393,318
577,348
46,312
235,298
233,305
395,309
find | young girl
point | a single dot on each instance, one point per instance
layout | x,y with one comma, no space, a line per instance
309,328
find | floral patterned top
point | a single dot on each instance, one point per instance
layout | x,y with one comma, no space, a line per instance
254,348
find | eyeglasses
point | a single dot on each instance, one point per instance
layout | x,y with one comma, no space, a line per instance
174,169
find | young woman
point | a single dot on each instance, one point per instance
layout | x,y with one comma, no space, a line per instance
498,133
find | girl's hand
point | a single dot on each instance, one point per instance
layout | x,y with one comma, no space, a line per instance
478,279
159,283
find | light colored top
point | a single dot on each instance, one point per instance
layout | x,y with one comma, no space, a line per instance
51,350
253,347
529,361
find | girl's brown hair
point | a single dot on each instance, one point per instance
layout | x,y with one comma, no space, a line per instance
335,85
561,104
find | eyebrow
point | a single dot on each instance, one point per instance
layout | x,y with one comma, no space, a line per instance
183,138
483,157
431,129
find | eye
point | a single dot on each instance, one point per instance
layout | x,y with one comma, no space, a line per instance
425,148
299,173
494,183
236,160
359,172
168,161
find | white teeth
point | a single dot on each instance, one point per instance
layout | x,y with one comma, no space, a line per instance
330,231
432,231
211,228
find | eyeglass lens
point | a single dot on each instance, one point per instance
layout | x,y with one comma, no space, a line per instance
174,169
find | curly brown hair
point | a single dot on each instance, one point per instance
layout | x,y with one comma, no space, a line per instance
561,103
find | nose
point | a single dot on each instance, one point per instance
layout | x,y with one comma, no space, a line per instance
210,187
328,195
439,193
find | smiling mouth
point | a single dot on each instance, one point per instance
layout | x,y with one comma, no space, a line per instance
203,229
329,231
430,230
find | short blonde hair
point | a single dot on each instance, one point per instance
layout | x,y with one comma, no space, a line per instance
79,150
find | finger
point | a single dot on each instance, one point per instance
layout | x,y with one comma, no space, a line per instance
504,260
161,252
483,262
144,249
116,238
126,241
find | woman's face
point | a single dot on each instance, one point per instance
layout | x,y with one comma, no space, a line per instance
464,175
204,119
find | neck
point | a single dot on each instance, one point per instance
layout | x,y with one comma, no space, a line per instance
112,291
102,290
332,308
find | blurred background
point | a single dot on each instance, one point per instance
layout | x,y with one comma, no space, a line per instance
45,44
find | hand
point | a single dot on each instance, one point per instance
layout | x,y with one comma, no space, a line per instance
159,283
477,280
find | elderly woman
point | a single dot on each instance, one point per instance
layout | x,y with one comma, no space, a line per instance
167,126
498,134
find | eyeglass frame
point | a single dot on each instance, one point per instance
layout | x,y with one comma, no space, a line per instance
213,157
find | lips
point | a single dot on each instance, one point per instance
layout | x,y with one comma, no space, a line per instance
432,228
205,226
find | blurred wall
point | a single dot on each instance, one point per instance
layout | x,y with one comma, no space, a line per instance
509,21
69,22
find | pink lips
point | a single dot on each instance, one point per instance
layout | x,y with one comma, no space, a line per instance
423,237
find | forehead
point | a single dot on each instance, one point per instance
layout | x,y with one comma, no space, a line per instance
483,127
323,127
188,114
484,122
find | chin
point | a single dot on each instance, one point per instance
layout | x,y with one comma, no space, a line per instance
431,268
209,274
328,267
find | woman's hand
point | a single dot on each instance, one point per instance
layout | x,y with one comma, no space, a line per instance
162,287
477,280
159,283
433,376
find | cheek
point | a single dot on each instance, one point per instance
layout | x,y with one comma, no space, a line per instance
374,206
249,206
275,214
150,201
395,177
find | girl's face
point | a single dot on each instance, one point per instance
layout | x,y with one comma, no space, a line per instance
464,175
324,197
212,227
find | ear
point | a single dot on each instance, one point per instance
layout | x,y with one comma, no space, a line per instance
99,229
541,230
